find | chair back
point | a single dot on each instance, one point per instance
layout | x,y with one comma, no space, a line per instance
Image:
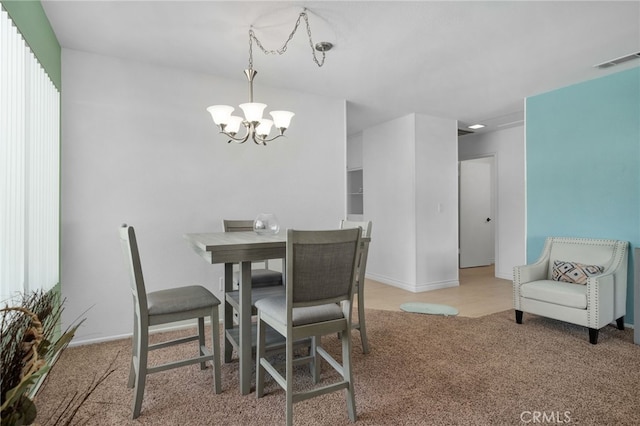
588,251
237,225
364,253
132,260
321,266
365,225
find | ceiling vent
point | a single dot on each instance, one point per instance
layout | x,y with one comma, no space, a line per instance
618,61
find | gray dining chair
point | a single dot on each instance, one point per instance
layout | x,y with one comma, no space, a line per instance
320,275
360,280
260,277
163,307
265,282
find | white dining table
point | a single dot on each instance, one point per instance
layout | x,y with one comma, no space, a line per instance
229,248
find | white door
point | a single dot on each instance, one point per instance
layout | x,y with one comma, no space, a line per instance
477,246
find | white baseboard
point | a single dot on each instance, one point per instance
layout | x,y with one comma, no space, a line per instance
508,276
410,287
436,285
155,329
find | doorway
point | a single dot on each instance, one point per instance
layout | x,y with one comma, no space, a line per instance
477,212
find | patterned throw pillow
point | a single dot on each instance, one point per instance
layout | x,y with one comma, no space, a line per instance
574,272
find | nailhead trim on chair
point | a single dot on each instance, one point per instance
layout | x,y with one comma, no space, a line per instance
516,288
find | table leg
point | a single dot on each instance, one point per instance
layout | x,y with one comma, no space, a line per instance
228,311
245,328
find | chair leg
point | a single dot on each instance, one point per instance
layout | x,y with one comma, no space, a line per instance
259,355
593,336
315,364
620,323
201,343
289,381
215,344
132,374
141,369
348,374
361,324
518,316
134,352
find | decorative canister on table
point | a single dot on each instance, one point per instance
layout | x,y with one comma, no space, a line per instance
266,223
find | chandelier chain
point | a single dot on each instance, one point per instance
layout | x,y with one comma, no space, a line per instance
283,49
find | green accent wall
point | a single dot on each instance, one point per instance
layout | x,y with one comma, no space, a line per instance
32,22
583,164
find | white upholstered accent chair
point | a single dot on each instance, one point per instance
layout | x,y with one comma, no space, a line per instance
540,288
359,286
321,272
163,307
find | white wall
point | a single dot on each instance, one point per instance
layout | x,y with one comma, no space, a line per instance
139,147
436,202
388,151
410,181
508,147
354,151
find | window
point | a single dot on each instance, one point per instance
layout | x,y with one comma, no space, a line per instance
29,169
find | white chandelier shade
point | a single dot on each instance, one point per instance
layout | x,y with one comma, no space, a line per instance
220,113
282,119
264,128
252,121
234,123
253,111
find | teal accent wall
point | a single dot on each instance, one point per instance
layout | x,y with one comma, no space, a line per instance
34,26
583,164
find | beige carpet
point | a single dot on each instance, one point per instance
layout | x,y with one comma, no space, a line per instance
422,370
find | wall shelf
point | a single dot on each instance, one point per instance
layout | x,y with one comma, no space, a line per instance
355,192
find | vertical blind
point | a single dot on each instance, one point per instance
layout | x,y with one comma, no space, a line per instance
29,169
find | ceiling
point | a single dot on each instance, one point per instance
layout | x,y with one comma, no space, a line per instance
471,61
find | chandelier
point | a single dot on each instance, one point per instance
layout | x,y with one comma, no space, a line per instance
255,126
